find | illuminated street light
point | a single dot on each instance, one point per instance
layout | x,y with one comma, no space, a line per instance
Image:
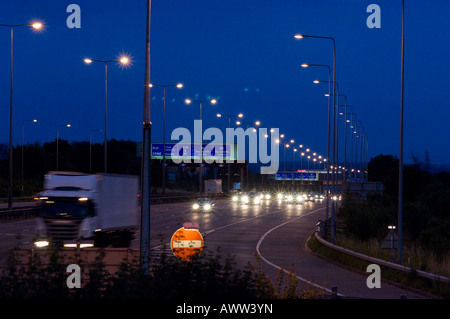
188,101
37,26
302,36
124,60
240,115
257,123
164,86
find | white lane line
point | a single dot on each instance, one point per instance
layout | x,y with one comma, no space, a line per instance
239,222
258,245
225,226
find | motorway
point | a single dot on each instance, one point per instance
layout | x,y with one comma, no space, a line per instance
276,232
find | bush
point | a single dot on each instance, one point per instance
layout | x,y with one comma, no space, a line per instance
208,277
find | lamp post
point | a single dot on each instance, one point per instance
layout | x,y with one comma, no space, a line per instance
57,143
334,153
302,36
285,147
200,102
23,128
294,151
144,240
306,65
189,101
400,162
256,123
124,61
164,86
90,147
36,26
301,160
240,115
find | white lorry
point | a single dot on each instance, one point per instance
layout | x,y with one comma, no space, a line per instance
87,210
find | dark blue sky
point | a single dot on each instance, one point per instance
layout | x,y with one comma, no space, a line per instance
239,51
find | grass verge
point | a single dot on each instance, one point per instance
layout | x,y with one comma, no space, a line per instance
408,280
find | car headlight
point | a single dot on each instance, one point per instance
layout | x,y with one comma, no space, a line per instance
235,198
207,207
290,197
280,196
257,200
195,206
299,198
245,199
267,196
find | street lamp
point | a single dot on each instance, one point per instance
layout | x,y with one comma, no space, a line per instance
189,101
164,86
23,128
124,60
256,123
36,26
285,147
400,160
302,36
57,142
306,65
219,115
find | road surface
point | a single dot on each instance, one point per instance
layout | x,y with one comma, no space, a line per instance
277,232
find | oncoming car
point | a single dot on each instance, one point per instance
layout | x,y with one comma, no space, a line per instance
251,198
203,204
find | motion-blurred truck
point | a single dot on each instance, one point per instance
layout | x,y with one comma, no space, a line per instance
85,210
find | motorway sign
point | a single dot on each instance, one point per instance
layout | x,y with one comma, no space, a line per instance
298,176
191,151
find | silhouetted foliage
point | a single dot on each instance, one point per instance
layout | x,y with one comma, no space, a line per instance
426,205
208,277
39,159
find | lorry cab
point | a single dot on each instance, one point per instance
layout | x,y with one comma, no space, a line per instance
87,210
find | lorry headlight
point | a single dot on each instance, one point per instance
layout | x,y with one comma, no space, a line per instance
41,243
81,245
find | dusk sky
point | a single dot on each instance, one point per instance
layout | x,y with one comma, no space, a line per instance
243,53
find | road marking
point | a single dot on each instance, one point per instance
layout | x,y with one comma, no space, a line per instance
258,245
225,226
